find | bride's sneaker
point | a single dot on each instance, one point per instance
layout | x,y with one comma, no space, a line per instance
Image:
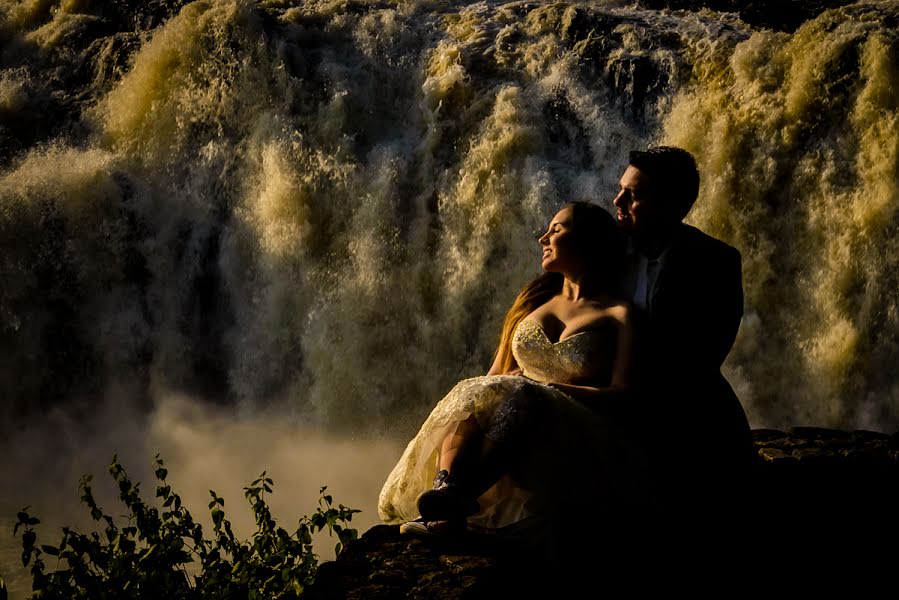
423,528
448,501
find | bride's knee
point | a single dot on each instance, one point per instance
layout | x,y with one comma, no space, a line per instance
519,422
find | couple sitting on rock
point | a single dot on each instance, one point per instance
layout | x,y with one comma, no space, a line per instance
606,389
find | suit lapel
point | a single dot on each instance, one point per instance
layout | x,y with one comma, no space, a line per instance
671,276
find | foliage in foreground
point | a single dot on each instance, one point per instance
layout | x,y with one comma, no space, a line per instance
147,556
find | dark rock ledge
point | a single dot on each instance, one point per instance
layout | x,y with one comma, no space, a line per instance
821,501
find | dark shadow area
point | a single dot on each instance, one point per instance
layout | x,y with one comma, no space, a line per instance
782,15
816,510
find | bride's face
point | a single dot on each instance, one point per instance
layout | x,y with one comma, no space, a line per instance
559,254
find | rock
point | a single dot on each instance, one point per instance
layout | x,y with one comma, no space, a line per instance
382,563
818,499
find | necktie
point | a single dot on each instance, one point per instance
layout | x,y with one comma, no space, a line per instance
652,271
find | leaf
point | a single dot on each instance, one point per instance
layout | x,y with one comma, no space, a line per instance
28,539
272,564
304,535
147,553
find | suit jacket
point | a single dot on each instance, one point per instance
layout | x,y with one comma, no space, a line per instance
695,311
696,306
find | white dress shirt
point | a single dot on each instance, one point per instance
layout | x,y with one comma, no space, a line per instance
640,277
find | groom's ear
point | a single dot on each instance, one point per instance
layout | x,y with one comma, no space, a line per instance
671,207
664,205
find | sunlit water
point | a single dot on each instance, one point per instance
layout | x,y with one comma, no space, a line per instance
265,219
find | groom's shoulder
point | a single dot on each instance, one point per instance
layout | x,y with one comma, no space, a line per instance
696,240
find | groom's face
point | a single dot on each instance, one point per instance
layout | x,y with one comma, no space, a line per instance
638,208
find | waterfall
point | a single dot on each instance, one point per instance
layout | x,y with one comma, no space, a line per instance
327,206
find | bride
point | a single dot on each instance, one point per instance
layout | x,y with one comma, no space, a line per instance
496,447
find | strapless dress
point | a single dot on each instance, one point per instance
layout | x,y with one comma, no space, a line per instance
571,438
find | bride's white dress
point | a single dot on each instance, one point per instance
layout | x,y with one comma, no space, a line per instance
571,438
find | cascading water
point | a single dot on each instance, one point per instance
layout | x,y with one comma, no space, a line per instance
326,206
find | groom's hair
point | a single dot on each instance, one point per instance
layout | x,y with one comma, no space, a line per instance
673,176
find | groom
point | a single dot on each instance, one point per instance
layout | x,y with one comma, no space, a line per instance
687,287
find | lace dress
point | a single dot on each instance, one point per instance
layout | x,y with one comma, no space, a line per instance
554,437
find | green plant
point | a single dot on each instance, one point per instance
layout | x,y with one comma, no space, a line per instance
148,555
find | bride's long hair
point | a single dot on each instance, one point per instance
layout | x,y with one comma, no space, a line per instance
597,237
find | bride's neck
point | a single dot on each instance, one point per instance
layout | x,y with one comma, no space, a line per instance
580,288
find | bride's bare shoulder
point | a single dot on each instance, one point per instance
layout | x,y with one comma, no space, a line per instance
621,312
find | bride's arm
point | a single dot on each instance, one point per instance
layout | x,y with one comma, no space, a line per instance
496,369
593,395
623,369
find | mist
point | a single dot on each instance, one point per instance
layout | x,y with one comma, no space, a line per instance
205,447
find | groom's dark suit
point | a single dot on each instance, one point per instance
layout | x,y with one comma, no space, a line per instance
694,309
692,314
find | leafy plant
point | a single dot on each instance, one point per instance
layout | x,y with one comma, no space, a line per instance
148,555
